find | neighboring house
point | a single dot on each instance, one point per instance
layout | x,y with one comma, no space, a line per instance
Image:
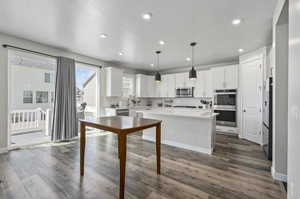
31,87
89,95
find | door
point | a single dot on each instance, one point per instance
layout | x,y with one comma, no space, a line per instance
87,91
251,100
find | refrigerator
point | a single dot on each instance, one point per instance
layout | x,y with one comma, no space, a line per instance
268,119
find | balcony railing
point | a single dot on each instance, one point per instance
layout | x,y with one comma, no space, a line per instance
23,121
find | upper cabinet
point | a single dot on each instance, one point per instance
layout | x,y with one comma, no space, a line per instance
225,77
180,80
183,81
203,84
145,86
167,86
114,82
171,85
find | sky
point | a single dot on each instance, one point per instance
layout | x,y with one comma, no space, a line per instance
82,75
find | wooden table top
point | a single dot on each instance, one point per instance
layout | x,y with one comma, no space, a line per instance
121,124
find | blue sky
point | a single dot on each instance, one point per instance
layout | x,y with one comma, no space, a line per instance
82,75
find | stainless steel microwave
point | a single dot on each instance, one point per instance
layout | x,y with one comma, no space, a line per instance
185,92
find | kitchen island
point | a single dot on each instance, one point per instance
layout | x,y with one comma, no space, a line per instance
184,128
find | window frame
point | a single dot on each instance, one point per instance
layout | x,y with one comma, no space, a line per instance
45,99
27,97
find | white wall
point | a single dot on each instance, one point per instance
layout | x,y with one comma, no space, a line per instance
294,101
6,39
280,95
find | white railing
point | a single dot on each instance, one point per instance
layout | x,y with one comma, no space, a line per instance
22,121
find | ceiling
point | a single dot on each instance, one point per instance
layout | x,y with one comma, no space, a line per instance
76,25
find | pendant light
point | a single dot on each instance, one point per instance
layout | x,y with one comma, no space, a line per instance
193,72
157,74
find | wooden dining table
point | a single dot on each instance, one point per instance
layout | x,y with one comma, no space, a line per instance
122,126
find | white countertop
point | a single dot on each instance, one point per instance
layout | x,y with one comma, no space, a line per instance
182,112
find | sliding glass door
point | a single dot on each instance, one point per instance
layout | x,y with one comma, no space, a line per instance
87,91
31,97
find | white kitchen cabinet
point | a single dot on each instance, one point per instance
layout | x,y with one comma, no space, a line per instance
164,86
167,86
225,77
183,80
171,85
151,86
203,86
114,82
231,77
145,86
180,80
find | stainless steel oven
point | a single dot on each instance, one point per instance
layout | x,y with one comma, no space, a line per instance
226,117
225,105
185,92
225,98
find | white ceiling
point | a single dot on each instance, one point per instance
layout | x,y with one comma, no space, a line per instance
76,25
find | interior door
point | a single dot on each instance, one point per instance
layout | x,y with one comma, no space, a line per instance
251,100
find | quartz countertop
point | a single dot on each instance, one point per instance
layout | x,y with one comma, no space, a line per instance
182,112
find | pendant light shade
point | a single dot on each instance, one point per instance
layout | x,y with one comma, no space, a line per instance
157,77
157,74
193,72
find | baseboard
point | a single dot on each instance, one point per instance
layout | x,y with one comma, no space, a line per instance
180,145
3,150
278,176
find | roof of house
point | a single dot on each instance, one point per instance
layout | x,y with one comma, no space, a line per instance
89,79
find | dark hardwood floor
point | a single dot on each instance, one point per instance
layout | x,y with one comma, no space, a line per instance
236,170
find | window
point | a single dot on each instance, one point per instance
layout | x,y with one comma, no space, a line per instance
27,97
48,78
52,97
41,97
128,86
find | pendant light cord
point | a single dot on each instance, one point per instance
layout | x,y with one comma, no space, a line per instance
157,61
192,56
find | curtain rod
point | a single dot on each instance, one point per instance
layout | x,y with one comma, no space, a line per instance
48,55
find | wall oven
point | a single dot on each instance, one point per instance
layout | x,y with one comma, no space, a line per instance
185,92
225,105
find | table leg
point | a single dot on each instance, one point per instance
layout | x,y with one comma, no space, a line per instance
158,137
118,146
82,147
122,156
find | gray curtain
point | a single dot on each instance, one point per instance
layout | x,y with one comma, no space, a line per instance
65,125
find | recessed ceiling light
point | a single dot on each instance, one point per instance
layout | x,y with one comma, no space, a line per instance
147,16
161,42
152,65
241,50
120,53
188,59
236,22
103,35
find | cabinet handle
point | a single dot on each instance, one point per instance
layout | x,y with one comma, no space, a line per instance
244,110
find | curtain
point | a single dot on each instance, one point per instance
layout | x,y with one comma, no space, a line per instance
65,125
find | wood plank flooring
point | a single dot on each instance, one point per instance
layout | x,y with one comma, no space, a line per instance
236,170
